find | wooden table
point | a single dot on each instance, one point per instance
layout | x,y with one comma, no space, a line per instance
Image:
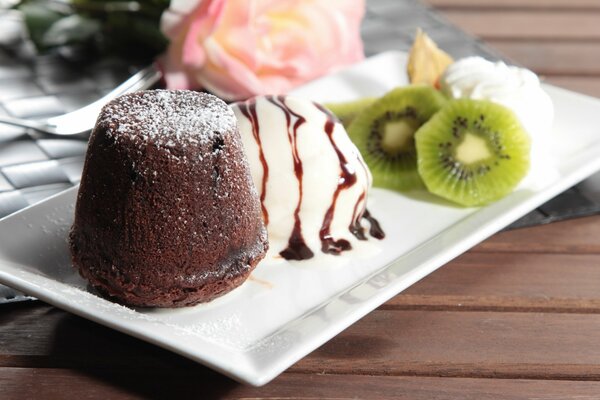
516,317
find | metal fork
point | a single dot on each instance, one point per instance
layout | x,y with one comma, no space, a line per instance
82,120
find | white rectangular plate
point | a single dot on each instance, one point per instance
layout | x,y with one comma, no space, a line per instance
286,311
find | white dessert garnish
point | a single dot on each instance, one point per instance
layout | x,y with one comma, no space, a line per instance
516,88
311,179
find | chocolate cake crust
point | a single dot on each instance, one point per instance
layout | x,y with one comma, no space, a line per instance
167,214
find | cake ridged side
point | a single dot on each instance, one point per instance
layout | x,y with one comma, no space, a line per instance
163,220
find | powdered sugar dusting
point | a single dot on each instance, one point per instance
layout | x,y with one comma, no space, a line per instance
167,118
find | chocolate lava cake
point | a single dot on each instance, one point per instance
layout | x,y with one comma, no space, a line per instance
167,214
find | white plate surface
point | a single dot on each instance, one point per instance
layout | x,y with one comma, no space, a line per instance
287,310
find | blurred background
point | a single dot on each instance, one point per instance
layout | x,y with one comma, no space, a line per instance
59,67
558,39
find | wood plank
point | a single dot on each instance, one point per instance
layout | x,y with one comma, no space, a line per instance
589,85
37,334
17,383
508,282
575,236
516,4
527,25
492,303
459,344
385,342
553,58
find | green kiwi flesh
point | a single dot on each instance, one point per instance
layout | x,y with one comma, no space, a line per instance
472,152
347,111
384,134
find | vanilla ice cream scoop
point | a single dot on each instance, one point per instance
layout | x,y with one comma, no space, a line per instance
312,181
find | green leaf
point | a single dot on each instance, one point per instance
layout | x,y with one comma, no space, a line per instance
71,29
133,34
38,19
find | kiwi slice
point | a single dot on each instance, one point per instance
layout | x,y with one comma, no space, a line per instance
347,111
472,152
384,134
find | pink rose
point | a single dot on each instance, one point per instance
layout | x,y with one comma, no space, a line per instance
240,48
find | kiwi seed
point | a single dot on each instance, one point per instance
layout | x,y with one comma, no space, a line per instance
472,152
384,134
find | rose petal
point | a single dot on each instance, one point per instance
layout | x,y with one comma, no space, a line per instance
238,48
175,76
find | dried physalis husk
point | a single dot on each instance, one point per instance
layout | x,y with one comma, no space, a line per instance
426,62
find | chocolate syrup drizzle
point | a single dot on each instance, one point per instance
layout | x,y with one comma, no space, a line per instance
355,227
346,180
375,229
297,248
249,110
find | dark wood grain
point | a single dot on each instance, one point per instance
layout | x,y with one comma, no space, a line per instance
530,345
554,58
115,385
564,25
589,85
464,344
576,236
143,384
518,5
558,283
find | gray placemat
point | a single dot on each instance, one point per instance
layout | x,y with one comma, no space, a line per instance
33,166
